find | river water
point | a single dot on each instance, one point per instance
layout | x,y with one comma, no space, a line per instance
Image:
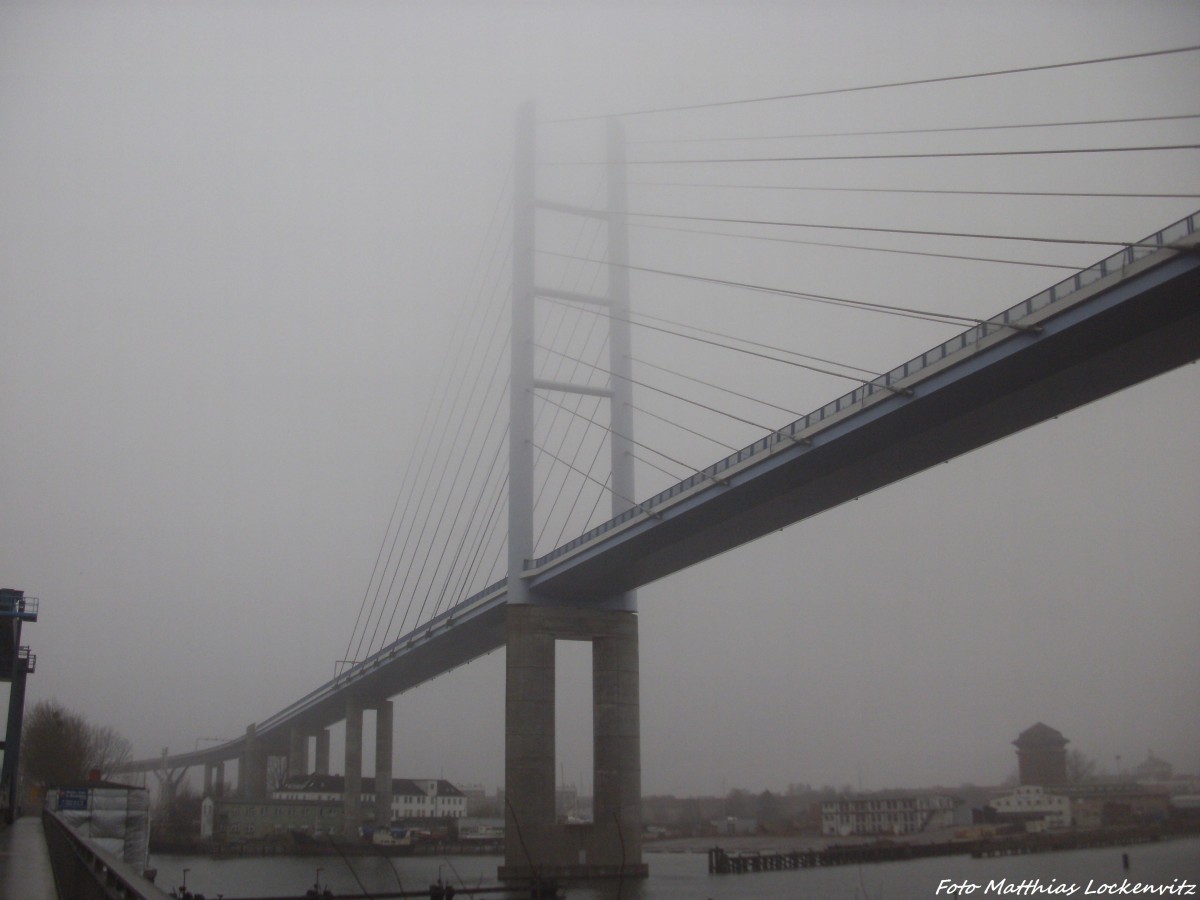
684,876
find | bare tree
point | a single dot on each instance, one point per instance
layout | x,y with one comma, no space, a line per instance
54,745
107,748
59,746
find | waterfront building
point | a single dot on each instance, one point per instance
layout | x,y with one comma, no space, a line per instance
421,798
1032,805
1097,804
313,805
1041,755
1154,769
886,814
232,819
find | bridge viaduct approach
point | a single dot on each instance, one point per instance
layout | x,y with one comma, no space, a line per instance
1128,318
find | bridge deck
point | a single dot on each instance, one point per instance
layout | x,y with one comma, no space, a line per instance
1128,318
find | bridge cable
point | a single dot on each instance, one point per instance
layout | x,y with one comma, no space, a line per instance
880,85
437,577
925,232
424,530
597,403
423,533
633,503
461,323
940,130
866,305
957,154
699,434
579,448
725,346
674,396
464,348
558,374
487,534
591,515
689,469
863,190
471,353
719,387
925,253
500,446
675,477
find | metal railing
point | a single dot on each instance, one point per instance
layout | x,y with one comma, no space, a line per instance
84,871
20,607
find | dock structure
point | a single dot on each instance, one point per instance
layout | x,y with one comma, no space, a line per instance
721,862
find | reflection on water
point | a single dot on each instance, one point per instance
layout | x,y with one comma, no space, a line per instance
684,876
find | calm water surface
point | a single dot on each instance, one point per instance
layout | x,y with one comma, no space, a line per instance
676,876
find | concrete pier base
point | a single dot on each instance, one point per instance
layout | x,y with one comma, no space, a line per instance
535,843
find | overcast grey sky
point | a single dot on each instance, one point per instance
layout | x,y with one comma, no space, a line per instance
233,240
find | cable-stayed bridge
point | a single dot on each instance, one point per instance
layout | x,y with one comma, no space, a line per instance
1129,317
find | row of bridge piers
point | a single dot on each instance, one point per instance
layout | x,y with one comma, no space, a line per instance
252,765
537,843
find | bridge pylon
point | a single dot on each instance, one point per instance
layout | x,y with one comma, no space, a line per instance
537,845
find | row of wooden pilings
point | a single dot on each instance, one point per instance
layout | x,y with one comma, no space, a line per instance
721,862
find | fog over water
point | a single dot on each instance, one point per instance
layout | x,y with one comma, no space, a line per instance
234,241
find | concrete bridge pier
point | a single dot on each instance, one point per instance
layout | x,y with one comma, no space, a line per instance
219,775
535,843
252,768
352,798
297,758
321,766
383,764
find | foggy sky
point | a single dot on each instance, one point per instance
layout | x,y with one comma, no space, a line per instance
233,239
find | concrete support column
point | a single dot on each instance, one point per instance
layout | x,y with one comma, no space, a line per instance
220,775
322,748
208,780
252,770
383,764
352,799
534,842
616,731
529,821
297,754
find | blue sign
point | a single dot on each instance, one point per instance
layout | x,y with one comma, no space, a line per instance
73,798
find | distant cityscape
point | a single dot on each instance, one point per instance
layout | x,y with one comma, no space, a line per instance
1052,789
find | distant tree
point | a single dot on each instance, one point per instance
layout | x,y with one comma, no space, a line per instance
107,749
1080,767
59,746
